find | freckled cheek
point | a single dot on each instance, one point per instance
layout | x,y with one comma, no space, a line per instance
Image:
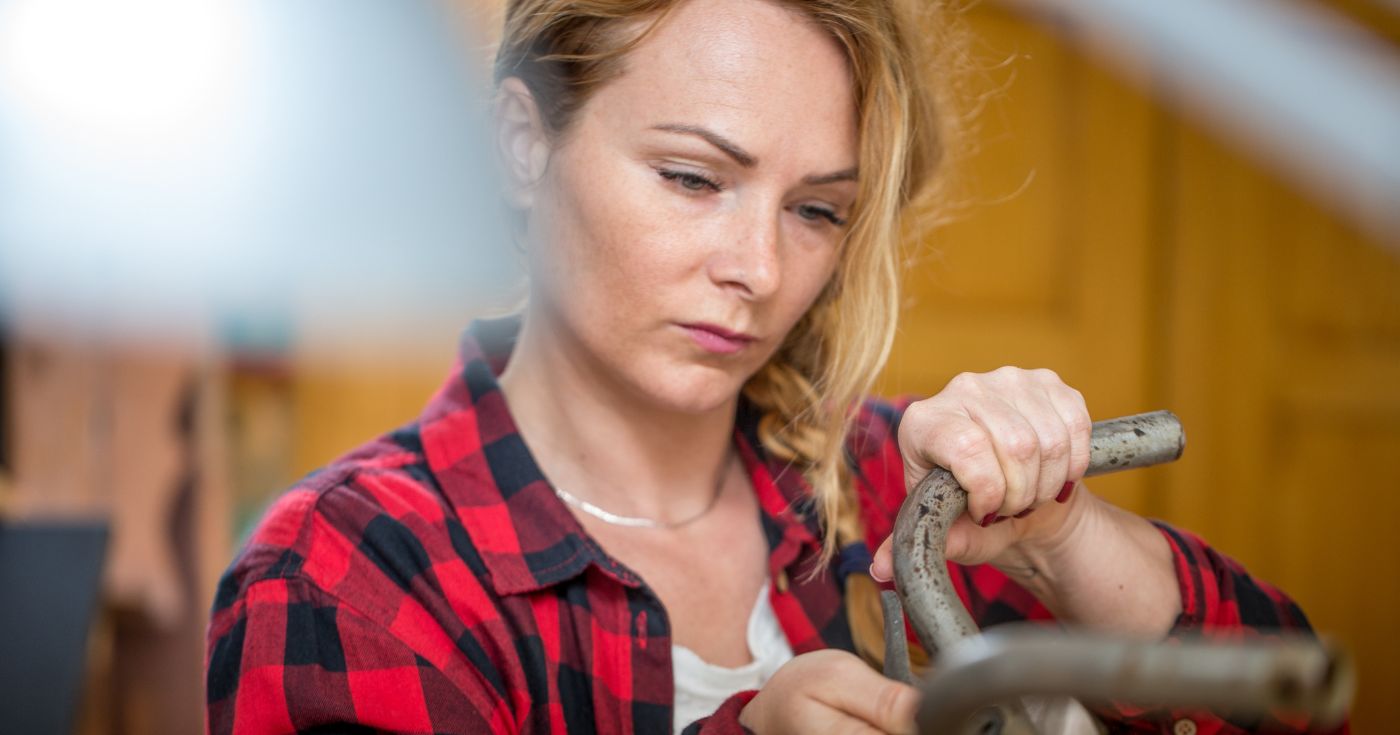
632,284
806,284
631,245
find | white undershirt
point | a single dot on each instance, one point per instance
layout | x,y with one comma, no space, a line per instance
701,687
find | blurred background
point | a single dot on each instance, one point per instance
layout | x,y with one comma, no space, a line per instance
238,239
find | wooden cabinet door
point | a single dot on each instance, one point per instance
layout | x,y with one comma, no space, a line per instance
1049,262
1108,239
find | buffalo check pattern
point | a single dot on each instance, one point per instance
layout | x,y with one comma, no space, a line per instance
431,582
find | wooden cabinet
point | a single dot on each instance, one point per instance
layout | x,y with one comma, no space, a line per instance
1116,243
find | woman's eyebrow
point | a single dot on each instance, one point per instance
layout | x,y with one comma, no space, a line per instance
715,139
746,159
849,174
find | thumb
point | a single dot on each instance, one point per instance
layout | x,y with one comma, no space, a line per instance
962,540
882,570
886,704
969,544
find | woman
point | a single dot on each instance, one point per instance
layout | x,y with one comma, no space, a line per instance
709,193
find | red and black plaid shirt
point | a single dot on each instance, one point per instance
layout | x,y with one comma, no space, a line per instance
431,582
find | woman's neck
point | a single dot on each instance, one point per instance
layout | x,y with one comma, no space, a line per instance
598,440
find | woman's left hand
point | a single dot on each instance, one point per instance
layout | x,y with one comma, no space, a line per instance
1016,440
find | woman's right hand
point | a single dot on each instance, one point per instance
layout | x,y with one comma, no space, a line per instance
830,691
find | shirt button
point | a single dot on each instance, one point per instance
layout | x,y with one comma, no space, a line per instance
1184,727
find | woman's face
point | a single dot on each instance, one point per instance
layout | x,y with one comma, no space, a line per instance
695,208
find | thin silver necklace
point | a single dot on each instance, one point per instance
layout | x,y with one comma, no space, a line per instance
634,521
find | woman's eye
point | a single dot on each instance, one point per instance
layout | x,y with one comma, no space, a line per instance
688,180
812,213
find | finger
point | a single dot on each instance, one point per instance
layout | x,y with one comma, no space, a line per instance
1054,443
885,704
962,540
963,445
1017,449
1069,403
968,544
882,569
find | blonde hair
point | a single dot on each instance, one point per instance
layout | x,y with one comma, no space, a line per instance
563,50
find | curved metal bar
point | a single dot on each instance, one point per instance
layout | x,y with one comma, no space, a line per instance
921,529
1135,441
897,665
920,572
1253,678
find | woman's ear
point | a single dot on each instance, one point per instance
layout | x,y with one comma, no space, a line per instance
521,142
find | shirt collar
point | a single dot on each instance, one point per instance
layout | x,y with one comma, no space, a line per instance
524,536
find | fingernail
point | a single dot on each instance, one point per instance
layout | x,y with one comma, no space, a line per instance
1024,513
876,577
987,521
1002,518
1065,493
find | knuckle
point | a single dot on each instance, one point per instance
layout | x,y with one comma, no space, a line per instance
1021,444
985,482
965,381
1056,448
914,425
888,699
1020,489
914,410
1046,375
1078,465
920,416
968,446
1008,375
1079,423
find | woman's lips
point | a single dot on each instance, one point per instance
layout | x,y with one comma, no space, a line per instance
717,339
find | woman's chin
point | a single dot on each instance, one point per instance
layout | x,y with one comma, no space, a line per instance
695,390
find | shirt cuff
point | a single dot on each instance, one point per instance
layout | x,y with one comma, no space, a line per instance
1198,592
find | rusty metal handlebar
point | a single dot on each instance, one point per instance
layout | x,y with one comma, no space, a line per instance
921,531
1245,679
976,670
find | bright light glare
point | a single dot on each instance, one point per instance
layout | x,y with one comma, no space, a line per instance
168,167
137,68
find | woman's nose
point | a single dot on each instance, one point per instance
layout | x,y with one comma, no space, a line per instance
751,262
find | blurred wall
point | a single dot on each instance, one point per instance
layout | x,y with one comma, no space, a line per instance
1152,268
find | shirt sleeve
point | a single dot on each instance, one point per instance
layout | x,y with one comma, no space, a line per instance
288,657
1219,598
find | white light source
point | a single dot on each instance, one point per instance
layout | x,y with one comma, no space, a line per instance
137,68
168,164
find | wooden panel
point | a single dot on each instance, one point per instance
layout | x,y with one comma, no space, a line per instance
1333,499
1283,329
1048,265
1020,210
342,400
1112,241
